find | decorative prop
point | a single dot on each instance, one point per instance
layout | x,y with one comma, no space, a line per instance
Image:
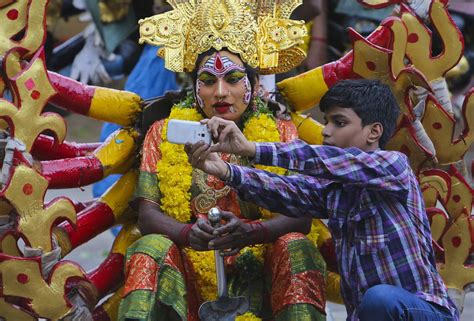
259,31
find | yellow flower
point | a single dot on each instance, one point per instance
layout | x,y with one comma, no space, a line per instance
204,266
263,128
175,188
247,316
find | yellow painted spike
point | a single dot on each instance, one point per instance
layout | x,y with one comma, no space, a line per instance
115,106
111,306
295,89
128,234
9,312
456,244
419,48
309,130
8,246
47,299
118,196
117,153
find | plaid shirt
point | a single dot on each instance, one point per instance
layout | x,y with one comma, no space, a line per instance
375,210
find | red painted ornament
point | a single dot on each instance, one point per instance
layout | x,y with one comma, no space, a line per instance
35,94
22,278
456,241
412,38
27,189
371,65
218,65
12,14
437,125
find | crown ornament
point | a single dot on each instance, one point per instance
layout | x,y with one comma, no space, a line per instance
261,32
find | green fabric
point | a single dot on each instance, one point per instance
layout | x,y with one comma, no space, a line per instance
300,312
147,187
305,256
138,305
171,289
145,305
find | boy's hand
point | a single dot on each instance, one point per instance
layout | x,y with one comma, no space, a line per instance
200,156
229,138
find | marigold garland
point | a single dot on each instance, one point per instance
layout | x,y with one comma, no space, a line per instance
259,126
248,316
175,194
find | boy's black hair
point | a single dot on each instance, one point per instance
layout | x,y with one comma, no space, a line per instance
370,99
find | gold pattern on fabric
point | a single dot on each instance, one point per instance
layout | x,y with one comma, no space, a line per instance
23,278
142,274
260,32
26,192
211,189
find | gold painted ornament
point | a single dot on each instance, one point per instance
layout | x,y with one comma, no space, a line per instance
440,126
260,32
18,15
22,277
31,91
9,312
25,192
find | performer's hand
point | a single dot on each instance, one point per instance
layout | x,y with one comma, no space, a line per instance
231,237
228,137
201,234
201,156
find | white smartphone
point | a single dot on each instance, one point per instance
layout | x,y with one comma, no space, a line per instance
184,131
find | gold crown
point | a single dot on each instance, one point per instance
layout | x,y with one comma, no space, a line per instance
259,31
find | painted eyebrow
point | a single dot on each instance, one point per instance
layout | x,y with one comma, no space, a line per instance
206,74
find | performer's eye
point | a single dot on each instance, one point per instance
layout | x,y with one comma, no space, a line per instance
234,77
207,79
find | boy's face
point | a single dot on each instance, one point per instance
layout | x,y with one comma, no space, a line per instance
344,129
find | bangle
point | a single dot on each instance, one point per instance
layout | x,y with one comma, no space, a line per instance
227,172
259,232
320,39
184,234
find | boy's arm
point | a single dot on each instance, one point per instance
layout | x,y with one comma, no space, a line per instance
294,196
383,170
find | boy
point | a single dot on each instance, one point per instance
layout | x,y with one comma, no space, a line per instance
370,196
